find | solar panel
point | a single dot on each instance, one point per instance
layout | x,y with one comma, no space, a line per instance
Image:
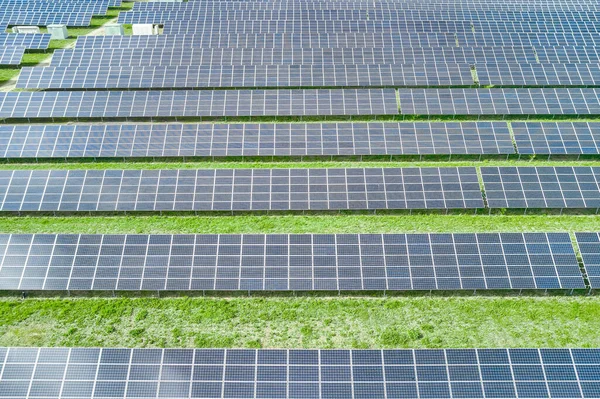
571,101
275,26
11,55
190,26
287,56
557,138
542,187
45,18
589,247
124,104
239,189
568,55
194,77
88,373
96,8
250,139
32,41
198,14
520,39
289,262
270,40
539,74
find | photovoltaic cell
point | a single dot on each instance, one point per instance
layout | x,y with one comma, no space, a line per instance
190,77
557,138
300,373
239,189
249,139
289,262
589,247
125,104
568,101
34,41
287,56
542,187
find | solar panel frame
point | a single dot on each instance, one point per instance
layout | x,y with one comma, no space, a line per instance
238,190
355,262
248,139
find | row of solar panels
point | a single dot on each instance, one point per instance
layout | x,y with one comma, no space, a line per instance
298,262
337,26
299,189
86,373
157,17
297,139
341,40
179,56
316,102
44,13
352,75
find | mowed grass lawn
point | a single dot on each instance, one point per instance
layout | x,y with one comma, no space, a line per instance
303,322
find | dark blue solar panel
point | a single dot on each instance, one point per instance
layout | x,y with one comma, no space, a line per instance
538,74
542,187
557,137
394,262
249,139
298,373
239,190
589,247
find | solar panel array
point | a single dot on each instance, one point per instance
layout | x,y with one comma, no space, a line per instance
34,41
557,138
542,187
248,139
11,55
300,373
190,77
289,262
239,189
589,247
43,13
127,104
567,101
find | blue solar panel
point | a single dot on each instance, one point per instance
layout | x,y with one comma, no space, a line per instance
239,189
249,139
125,104
539,74
557,138
11,55
32,41
193,77
589,247
396,262
88,373
542,187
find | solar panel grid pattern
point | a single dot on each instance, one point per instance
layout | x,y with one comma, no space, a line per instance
568,55
281,139
32,41
557,138
542,187
289,56
589,247
270,40
300,373
190,77
519,39
96,8
337,26
11,55
539,74
124,104
289,262
239,189
45,18
544,101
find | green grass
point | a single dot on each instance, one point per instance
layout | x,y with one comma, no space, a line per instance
424,322
253,163
300,224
